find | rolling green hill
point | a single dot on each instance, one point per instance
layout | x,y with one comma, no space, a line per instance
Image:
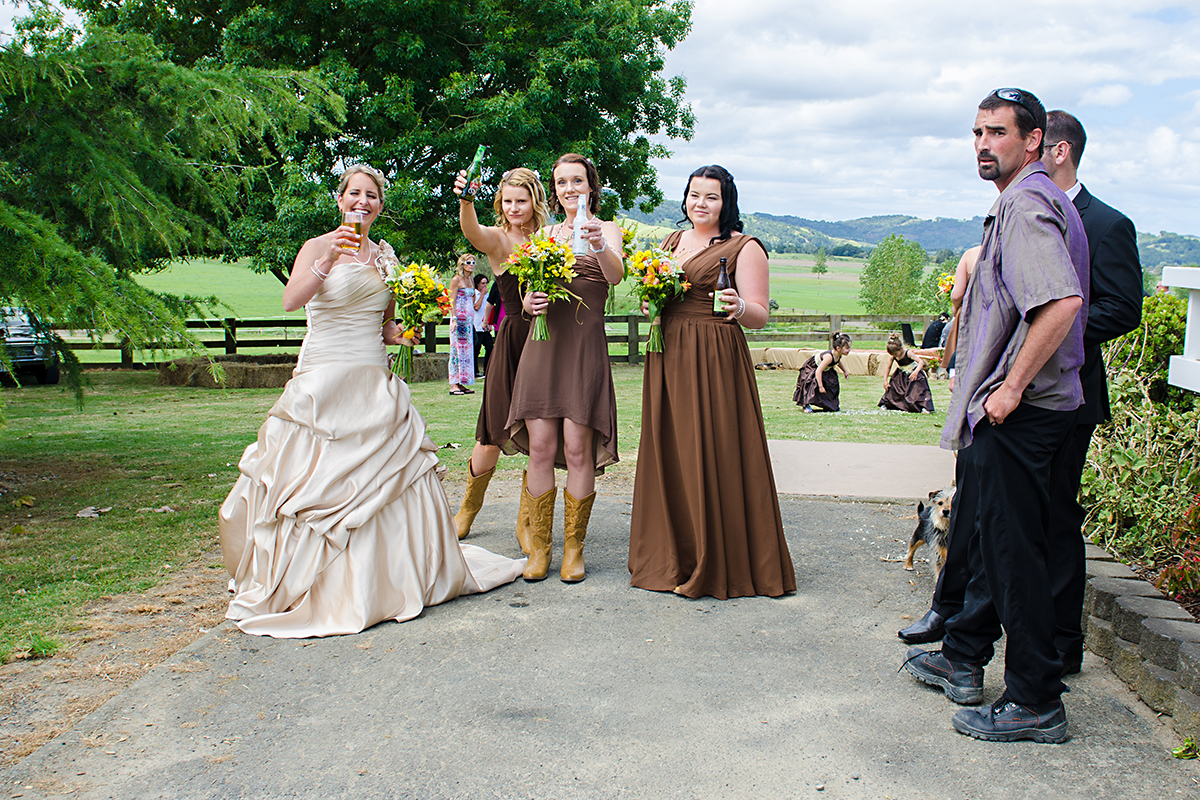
787,234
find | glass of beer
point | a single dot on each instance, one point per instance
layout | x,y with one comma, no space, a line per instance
354,219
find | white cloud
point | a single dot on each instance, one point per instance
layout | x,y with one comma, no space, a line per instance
864,107
1113,94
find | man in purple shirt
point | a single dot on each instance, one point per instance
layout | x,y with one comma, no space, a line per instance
1017,389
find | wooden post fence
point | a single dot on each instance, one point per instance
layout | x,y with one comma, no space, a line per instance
816,330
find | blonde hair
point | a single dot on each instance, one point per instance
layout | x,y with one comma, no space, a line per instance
527,179
894,345
463,260
363,169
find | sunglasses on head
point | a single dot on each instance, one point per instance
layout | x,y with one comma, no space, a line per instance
1015,96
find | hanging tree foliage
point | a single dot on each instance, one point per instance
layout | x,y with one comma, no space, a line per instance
425,82
114,161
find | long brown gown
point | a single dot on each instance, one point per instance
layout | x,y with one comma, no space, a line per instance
492,427
569,376
705,513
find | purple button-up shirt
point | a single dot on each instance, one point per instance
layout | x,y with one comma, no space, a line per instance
1034,251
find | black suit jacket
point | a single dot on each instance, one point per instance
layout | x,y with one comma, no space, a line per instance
1115,304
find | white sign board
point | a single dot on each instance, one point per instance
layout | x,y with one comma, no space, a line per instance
1185,369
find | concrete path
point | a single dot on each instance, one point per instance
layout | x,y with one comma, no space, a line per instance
603,691
898,472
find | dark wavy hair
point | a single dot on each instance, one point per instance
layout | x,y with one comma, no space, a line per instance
730,219
1029,111
593,179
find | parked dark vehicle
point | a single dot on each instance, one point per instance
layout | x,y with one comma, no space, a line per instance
29,345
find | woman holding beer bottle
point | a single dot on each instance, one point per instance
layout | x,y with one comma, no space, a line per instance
564,409
521,209
706,518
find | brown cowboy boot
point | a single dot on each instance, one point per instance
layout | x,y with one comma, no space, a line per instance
472,500
523,514
541,529
575,522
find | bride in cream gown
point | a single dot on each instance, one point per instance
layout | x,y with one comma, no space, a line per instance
338,520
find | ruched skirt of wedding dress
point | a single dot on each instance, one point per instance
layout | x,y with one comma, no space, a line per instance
338,520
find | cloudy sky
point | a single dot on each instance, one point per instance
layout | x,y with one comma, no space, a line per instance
863,107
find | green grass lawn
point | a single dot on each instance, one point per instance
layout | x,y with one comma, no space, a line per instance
140,448
250,295
247,294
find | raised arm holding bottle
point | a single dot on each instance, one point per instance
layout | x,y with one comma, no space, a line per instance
521,209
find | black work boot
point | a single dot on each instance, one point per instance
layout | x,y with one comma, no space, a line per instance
1006,721
962,683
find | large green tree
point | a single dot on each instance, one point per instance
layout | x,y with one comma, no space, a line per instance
114,161
890,282
425,82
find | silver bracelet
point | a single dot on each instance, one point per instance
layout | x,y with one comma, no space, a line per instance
321,276
741,309
603,246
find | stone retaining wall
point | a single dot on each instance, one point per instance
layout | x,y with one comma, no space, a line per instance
1150,642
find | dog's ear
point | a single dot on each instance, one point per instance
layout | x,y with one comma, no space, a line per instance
920,508
934,494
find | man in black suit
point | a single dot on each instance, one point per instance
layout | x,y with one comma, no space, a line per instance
1115,308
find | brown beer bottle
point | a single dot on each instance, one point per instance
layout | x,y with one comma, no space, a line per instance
722,283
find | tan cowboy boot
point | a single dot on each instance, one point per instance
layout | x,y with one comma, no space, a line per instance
472,500
523,514
576,514
541,529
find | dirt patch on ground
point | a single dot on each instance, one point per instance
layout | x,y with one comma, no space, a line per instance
122,637
119,640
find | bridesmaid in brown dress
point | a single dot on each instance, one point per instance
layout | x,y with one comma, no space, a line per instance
706,517
564,409
521,209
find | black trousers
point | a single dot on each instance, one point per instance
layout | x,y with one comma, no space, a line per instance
1068,577
485,340
1066,536
1012,466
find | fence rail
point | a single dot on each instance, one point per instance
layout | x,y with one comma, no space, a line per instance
800,328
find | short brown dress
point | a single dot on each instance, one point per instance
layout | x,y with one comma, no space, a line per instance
492,428
904,393
569,376
706,516
806,393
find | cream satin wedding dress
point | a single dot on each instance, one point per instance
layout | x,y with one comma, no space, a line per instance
338,520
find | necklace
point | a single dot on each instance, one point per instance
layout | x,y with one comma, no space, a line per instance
680,253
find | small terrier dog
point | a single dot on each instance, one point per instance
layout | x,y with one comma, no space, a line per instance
933,528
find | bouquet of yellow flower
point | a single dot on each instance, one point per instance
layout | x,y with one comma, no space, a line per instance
945,282
658,281
420,297
628,239
544,265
